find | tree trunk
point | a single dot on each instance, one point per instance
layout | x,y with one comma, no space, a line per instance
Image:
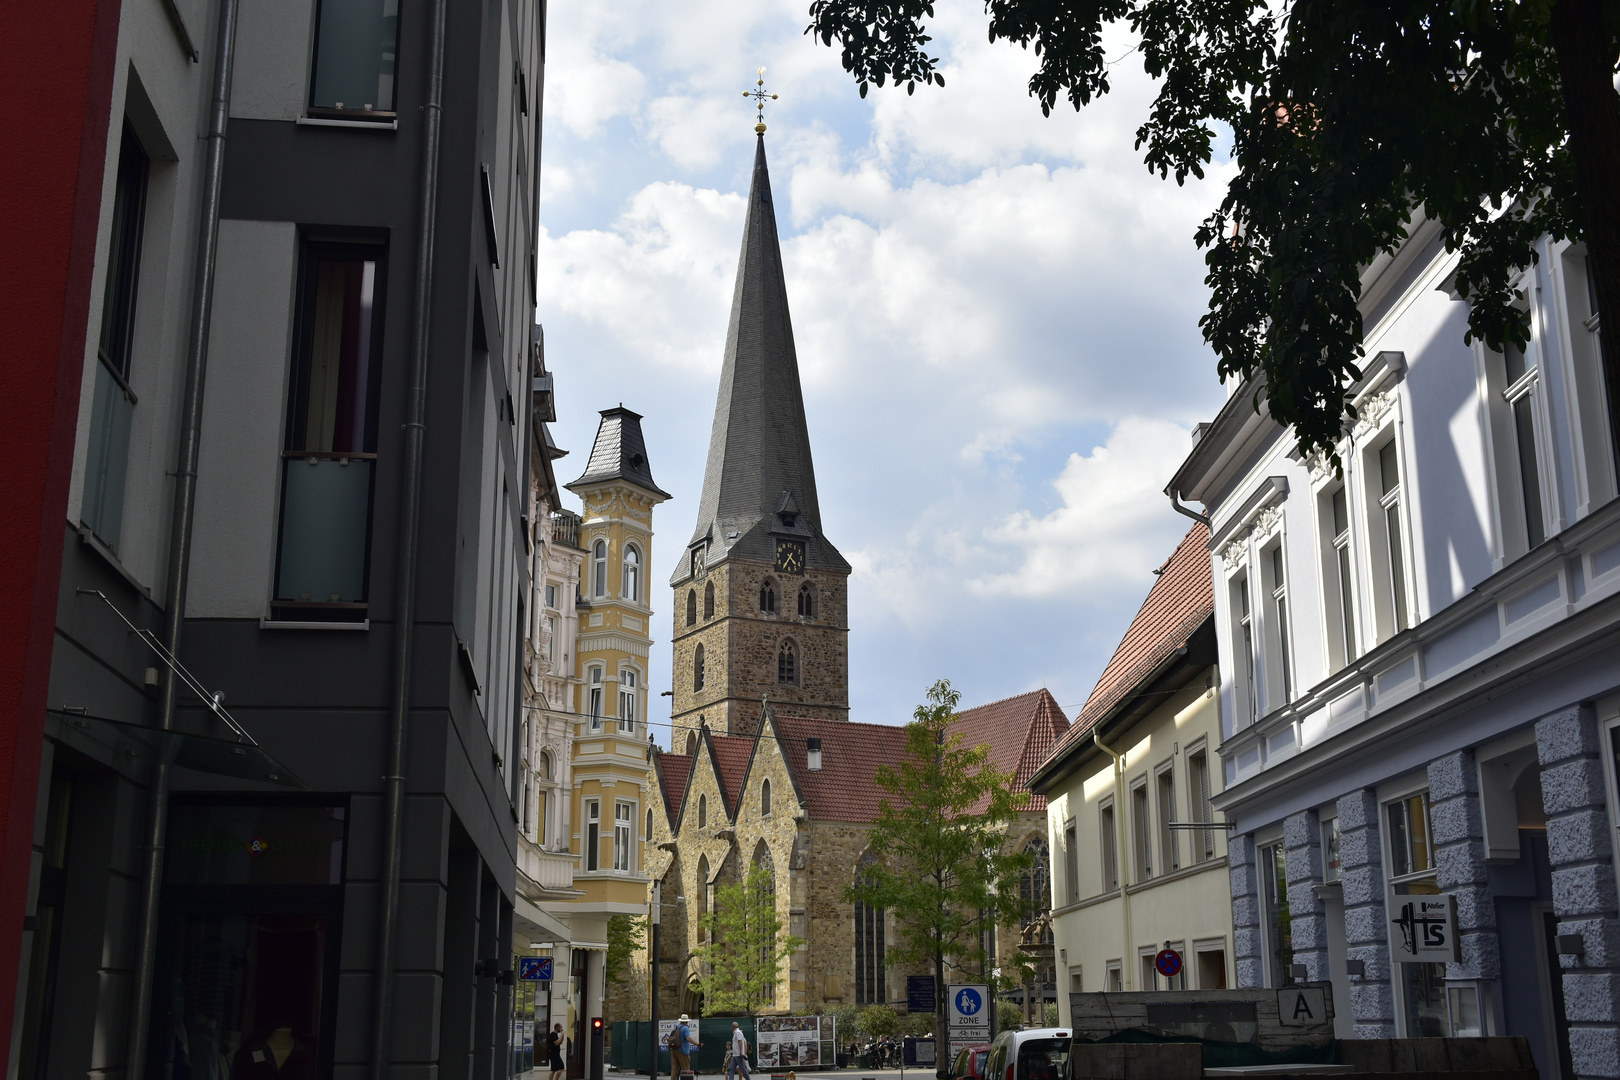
1592,110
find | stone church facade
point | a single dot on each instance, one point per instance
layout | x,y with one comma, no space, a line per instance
769,769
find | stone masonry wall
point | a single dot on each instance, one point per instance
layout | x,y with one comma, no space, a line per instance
1248,960
1457,822
1372,1000
1302,859
1584,896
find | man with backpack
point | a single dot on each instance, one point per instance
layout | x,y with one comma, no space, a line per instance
681,1045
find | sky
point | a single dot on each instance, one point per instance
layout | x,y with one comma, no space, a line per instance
996,317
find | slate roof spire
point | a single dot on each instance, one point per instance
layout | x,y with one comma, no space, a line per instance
760,481
619,453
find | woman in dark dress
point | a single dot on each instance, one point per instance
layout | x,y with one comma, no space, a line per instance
554,1044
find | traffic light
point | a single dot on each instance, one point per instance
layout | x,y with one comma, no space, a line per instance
597,1049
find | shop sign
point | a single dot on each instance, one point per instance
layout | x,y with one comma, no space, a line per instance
1423,929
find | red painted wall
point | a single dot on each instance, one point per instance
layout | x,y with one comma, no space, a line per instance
56,71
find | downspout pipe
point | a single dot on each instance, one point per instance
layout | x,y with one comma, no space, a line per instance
405,580
1185,510
180,529
1127,958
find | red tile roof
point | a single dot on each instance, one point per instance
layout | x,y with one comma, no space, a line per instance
1175,607
731,754
845,787
675,772
1020,731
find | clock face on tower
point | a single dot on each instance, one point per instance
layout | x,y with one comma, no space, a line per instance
790,556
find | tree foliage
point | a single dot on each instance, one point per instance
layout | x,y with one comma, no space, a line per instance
941,869
625,934
741,964
879,1020
1497,119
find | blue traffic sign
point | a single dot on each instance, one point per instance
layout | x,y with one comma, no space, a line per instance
534,968
968,1001
1168,963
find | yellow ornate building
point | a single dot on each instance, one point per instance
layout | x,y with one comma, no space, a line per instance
612,793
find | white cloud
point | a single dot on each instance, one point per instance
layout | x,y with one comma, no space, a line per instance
1112,529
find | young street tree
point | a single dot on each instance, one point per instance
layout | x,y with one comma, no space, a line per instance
742,961
1498,119
941,870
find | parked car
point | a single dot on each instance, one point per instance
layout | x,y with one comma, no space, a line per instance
970,1063
1034,1054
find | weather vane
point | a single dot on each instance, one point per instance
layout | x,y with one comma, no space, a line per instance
760,96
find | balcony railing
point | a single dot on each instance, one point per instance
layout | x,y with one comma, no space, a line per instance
565,528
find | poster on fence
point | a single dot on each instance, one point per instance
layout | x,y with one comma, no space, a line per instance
789,1042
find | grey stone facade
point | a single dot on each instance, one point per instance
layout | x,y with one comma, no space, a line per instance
1302,845
1584,895
1459,855
1361,861
1248,955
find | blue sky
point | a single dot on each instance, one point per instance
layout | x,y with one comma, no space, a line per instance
995,313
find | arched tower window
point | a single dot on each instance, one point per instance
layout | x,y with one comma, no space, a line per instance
871,987
702,886
648,833
703,811
599,568
691,744
766,900
787,665
632,573
1035,889
691,607
697,668
593,701
807,601
708,600
765,799
767,598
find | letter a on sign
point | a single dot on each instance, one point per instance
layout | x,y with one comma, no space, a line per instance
1302,1006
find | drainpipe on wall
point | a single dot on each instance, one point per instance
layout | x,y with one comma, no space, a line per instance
405,581
185,504
1127,959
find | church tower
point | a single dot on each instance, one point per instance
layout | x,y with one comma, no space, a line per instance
761,597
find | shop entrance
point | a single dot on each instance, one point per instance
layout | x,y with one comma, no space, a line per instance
245,984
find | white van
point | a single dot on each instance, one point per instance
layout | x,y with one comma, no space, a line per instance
1035,1054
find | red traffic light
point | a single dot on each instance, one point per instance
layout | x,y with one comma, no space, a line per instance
596,1022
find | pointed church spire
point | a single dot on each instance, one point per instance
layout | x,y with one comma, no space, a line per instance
760,482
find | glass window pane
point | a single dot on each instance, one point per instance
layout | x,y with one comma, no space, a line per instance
355,49
331,410
1400,851
1397,565
1389,467
106,464
1347,604
1341,513
244,997
325,518
1524,425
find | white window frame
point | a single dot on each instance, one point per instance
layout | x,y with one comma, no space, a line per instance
1341,609
627,711
1391,604
1265,865
1200,799
1388,795
1071,862
593,835
1108,844
1141,830
1208,945
1245,634
1281,678
599,561
595,689
1580,353
624,836
630,574
1164,782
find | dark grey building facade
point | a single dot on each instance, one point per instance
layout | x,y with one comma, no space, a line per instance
276,828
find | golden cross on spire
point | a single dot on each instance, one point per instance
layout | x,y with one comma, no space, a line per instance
760,97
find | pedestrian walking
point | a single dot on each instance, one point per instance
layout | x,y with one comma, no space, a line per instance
555,1044
681,1046
738,1063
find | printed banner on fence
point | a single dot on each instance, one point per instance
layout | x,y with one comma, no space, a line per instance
789,1042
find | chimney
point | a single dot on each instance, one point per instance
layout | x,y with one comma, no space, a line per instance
812,749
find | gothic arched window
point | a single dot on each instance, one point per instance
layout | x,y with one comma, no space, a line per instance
708,600
702,890
767,598
632,573
765,799
691,607
871,988
648,833
765,910
697,668
691,744
787,665
1035,888
703,811
599,568
807,602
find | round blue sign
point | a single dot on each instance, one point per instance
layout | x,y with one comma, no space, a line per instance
1168,963
968,1001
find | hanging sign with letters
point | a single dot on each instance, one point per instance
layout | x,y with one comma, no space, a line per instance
1423,929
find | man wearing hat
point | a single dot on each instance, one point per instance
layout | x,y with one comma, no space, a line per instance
680,1055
